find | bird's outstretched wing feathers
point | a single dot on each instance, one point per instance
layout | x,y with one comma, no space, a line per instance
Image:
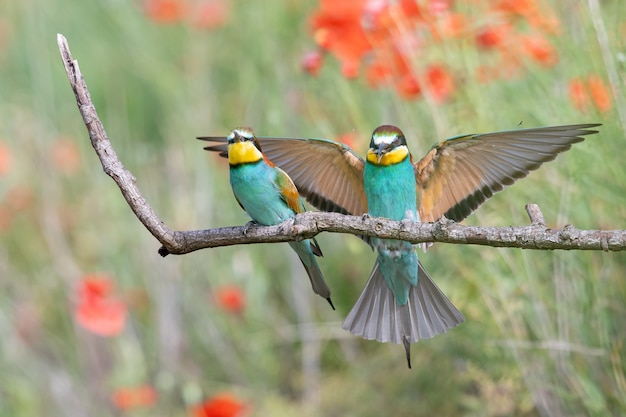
220,144
459,174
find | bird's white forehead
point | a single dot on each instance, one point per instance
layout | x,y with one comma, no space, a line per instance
385,138
243,132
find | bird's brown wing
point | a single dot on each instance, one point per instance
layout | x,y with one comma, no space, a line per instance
459,174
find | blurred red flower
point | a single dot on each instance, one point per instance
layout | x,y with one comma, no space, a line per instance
578,95
439,82
518,7
6,158
337,28
230,298
165,11
583,93
600,93
491,36
408,87
97,308
221,405
453,25
210,14
312,62
349,139
378,73
539,49
438,7
128,398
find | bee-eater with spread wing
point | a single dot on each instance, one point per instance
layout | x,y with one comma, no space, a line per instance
453,179
270,197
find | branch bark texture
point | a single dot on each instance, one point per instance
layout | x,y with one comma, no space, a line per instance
307,225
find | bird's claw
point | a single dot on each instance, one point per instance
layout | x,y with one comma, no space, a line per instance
247,226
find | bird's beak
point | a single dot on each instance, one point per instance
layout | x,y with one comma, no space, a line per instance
237,138
380,151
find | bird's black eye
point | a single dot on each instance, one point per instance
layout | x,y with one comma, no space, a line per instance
399,140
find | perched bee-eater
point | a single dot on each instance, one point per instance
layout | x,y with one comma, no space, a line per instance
270,197
453,179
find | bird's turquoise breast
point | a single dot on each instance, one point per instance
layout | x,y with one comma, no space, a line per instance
390,190
254,185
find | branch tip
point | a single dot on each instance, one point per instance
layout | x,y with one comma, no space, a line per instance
535,215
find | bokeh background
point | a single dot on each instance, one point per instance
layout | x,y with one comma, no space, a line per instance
94,322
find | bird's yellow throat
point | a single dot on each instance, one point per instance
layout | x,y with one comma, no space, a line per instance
243,153
390,158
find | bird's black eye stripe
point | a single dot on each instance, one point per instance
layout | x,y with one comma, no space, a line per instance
257,144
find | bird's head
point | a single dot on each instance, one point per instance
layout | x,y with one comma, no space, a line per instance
388,146
243,147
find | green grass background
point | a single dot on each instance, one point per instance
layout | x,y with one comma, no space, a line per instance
545,331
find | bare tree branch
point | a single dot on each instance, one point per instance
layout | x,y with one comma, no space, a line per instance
307,225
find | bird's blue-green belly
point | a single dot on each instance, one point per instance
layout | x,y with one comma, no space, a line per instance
255,187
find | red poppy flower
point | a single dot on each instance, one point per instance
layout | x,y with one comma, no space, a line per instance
600,93
349,139
491,36
583,92
230,298
439,7
337,27
411,9
378,73
221,405
578,95
98,309
440,83
128,398
453,25
165,11
539,49
518,7
408,87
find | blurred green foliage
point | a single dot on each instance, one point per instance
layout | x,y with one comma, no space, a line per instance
544,333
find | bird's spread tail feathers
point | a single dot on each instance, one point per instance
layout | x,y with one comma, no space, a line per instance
377,316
